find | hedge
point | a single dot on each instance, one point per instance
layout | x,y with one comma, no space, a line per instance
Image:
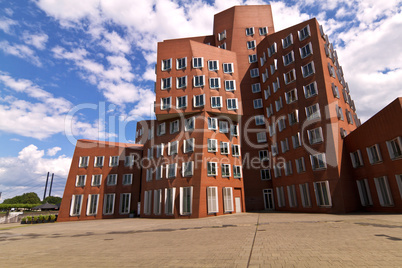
9,206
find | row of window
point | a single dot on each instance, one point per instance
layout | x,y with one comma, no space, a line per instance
384,193
287,59
93,204
97,180
99,161
199,101
394,147
198,81
197,63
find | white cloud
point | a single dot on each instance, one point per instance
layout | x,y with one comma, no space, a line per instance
286,16
149,74
37,40
42,117
53,151
27,172
20,51
6,23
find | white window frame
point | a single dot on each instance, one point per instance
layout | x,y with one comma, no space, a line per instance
308,69
212,169
111,179
113,161
127,179
212,199
261,137
92,204
96,180
157,206
228,68
186,147
306,51
166,64
395,148
198,62
287,41
184,104
357,159
280,196
237,173
199,100
250,31
364,192
322,194
232,104
216,102
98,163
374,159
166,103
166,83
263,30
80,180
292,195
251,44
187,169
214,82
170,196
224,147
228,199
304,33
198,80
171,170
84,160
321,158
125,207
254,73
76,205
256,87
180,62
315,135
289,77
212,145
174,126
186,205
181,82
189,124
230,85
257,103
308,90
108,204
213,65
212,123
305,195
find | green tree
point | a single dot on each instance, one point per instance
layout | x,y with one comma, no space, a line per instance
27,198
52,200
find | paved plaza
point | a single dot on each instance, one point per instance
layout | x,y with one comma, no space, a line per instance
240,240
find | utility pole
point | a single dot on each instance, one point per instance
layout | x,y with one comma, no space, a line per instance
47,179
51,184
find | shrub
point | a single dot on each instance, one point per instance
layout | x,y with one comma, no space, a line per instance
52,217
46,217
29,218
24,220
41,217
35,218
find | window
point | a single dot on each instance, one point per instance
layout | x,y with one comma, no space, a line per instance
159,172
113,161
278,104
199,100
300,166
216,102
250,31
111,179
261,137
170,194
171,170
288,58
212,123
92,207
227,199
267,93
84,161
172,147
166,83
188,146
189,124
251,44
127,179
364,192
313,111
223,46
259,120
274,66
157,201
149,175
277,171
280,196
335,90
224,147
150,153
257,103
98,161
288,168
151,132
339,112
310,90
357,159
269,111
322,193
287,41
315,135
272,50
305,195
274,149
331,70
304,33
263,155
290,77
108,204
263,30
212,168
318,161
147,202
80,180
395,148
76,203
212,145
166,64
399,182
235,150
308,69
222,35
234,130
96,180
181,82
228,68
293,117
174,126
161,129
198,62
181,63
225,170
254,73
374,154
306,51
213,65
214,83
230,85
212,198
285,145
292,196
265,174
232,104
159,150
296,140
166,103
291,96
236,172
187,169
252,58
255,88
125,200
349,117
281,124
198,80
181,103
223,127
186,197
264,75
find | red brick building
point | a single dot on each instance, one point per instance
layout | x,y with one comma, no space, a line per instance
246,119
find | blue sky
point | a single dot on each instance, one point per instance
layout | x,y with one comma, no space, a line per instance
72,69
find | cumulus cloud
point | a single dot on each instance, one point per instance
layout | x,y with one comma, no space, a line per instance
6,23
20,51
27,172
53,151
37,40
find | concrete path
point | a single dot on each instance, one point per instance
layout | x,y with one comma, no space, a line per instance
241,240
